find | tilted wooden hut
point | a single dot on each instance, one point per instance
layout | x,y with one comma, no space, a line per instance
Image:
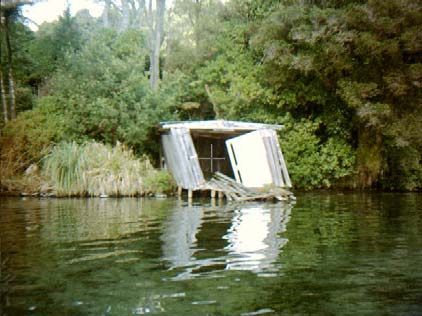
247,152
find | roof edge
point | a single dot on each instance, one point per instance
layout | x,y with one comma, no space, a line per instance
218,125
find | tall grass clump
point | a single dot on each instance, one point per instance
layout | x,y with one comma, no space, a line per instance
95,169
64,165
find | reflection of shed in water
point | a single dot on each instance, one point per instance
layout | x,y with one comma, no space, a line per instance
249,238
254,241
247,152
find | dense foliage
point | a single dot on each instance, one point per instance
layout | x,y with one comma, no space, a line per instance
27,139
344,77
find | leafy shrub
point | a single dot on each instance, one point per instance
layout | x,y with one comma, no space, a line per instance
405,172
106,94
311,163
28,138
159,181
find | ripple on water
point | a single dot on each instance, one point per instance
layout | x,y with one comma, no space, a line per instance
259,312
118,257
204,302
97,256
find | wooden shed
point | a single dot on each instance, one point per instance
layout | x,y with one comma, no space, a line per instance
247,152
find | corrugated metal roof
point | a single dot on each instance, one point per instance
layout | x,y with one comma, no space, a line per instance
219,125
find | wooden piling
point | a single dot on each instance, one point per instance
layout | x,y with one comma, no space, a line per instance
220,195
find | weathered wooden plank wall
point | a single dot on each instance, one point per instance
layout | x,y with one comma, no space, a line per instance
181,157
280,157
272,156
183,162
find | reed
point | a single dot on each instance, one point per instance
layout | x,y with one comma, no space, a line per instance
64,167
95,169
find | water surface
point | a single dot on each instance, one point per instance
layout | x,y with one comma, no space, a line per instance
329,254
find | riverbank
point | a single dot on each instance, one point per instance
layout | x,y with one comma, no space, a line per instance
88,169
21,186
16,188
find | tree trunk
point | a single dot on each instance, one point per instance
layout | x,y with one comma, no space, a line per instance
106,12
142,13
156,39
12,98
125,15
4,104
197,21
154,66
3,98
150,19
215,106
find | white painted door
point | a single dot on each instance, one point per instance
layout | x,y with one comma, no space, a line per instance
248,157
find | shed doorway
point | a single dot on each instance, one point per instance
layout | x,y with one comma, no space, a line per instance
250,152
212,155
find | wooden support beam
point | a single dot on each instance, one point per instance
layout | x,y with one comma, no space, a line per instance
238,192
220,195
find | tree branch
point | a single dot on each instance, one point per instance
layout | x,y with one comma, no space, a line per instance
12,4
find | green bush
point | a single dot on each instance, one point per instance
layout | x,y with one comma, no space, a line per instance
312,163
28,138
159,181
106,95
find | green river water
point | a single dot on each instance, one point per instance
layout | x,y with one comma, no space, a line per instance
328,254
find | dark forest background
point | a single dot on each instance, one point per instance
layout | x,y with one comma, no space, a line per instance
344,77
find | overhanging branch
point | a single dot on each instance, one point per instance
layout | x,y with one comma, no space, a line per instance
12,4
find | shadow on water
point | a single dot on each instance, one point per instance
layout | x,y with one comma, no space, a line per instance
330,254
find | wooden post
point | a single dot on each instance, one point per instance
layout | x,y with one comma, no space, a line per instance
213,194
179,192
190,195
220,195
